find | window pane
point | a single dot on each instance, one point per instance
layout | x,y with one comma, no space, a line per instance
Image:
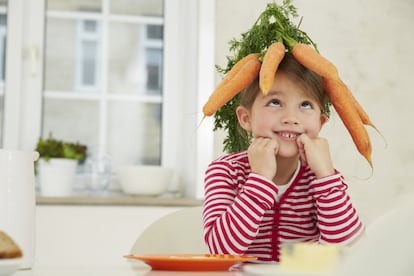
154,70
137,7
75,5
89,26
154,32
76,54
66,119
135,62
124,59
89,63
60,65
134,133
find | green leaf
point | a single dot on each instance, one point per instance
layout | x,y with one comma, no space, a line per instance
54,148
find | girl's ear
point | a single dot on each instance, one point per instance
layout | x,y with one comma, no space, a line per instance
243,115
324,119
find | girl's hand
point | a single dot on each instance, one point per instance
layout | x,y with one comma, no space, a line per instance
262,156
315,153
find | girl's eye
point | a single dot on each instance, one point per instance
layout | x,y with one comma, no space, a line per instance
307,105
274,102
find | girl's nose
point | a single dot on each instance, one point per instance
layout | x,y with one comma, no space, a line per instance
290,117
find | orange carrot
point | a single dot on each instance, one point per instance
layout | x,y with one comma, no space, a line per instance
311,59
240,79
236,68
353,101
361,112
339,97
271,61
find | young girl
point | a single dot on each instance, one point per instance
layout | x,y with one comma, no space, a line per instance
284,188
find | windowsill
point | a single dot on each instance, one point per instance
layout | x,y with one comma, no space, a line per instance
118,199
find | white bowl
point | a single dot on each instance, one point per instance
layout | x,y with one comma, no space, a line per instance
145,180
9,266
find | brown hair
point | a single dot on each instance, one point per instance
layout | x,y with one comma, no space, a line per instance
311,82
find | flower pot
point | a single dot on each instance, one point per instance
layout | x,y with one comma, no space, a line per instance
56,176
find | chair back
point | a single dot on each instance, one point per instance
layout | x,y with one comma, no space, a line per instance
180,232
387,247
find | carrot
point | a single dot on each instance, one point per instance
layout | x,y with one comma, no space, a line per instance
338,95
271,61
241,77
353,101
236,68
312,60
360,110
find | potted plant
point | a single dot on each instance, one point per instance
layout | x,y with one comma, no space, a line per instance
57,164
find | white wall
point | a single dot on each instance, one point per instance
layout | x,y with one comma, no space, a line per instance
90,235
371,44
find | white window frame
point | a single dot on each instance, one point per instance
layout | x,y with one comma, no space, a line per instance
188,81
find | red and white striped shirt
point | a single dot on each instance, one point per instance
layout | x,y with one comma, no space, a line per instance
242,216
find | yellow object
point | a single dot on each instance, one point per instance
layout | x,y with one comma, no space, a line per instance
309,257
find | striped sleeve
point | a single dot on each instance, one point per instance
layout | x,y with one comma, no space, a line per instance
338,221
232,215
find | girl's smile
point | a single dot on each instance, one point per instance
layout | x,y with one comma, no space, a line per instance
288,136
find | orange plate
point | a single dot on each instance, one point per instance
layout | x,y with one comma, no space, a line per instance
191,262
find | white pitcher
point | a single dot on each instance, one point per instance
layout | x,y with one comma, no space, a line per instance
18,200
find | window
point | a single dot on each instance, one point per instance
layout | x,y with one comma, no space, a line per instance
125,77
105,67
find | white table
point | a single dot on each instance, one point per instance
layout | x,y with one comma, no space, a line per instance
122,270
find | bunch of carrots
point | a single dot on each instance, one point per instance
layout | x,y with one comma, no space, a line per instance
272,35
246,70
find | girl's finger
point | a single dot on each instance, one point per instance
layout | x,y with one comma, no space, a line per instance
301,147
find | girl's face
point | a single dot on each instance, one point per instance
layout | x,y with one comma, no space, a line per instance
284,114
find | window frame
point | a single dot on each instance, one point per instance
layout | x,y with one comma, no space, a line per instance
188,75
